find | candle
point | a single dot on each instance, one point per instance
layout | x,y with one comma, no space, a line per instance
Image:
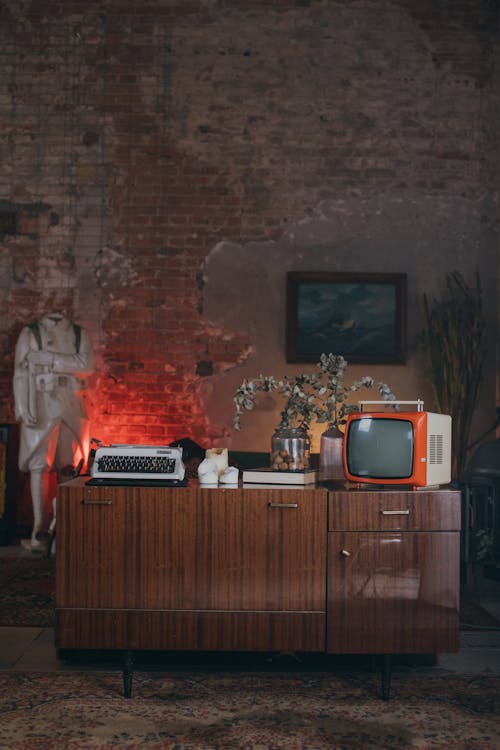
219,456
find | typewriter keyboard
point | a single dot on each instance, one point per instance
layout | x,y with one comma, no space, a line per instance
136,464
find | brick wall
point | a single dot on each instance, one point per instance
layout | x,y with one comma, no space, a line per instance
137,138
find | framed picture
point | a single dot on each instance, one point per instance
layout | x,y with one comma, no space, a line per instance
361,316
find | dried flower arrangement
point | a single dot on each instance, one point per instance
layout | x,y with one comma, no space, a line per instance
321,396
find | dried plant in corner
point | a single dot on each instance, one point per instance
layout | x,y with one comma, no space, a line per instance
454,344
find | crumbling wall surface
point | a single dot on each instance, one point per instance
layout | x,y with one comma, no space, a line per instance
155,157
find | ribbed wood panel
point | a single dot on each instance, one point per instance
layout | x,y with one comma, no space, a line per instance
210,552
206,631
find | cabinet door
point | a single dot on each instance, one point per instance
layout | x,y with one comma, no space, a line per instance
393,592
97,538
191,549
233,550
223,569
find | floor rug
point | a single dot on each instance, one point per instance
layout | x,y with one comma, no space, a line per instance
27,591
242,711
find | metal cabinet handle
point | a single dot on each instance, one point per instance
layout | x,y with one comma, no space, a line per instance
345,553
395,512
282,505
97,502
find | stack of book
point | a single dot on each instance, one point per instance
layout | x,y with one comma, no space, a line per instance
269,476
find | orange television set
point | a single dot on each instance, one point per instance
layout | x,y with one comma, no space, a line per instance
397,447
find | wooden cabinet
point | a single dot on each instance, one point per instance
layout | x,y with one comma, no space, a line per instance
259,569
190,568
393,564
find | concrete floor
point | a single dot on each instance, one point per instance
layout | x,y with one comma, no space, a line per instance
32,649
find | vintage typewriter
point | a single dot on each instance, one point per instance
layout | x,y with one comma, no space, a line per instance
143,465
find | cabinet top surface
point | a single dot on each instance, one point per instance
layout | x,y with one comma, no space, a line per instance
345,490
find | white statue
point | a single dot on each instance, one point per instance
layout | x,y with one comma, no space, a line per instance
229,475
208,472
219,456
52,358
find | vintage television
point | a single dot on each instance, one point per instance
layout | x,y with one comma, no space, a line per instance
397,447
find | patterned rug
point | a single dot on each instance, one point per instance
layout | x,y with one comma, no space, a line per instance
27,590
241,711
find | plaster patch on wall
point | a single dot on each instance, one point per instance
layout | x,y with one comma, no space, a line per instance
55,275
112,268
245,284
441,229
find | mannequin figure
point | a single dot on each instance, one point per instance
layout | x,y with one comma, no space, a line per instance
52,357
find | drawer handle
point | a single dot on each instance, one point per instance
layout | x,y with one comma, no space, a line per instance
345,553
282,505
97,502
395,512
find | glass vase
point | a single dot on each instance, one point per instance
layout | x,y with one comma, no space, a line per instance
331,466
290,449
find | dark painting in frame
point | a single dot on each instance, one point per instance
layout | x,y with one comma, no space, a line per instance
361,316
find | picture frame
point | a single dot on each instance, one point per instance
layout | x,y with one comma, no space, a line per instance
361,316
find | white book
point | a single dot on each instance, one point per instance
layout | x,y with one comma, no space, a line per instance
268,476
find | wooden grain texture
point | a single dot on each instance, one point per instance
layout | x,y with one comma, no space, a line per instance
196,550
235,569
206,631
393,592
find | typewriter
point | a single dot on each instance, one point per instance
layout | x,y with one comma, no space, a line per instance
144,465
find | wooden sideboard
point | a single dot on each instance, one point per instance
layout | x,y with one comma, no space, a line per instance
257,569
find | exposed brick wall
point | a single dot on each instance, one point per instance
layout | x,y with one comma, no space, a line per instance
135,137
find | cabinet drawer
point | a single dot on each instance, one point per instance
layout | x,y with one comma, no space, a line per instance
419,510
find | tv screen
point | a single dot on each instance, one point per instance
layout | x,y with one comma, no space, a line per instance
380,448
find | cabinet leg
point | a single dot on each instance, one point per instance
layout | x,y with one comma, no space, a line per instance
386,676
128,667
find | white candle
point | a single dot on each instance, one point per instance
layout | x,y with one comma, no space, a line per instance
219,456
